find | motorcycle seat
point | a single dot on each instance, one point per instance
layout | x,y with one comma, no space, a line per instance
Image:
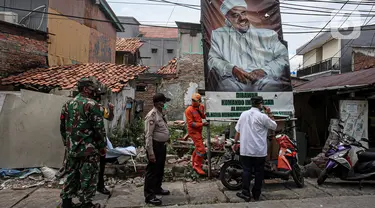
366,156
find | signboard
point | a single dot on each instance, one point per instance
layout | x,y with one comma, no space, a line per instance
245,56
354,114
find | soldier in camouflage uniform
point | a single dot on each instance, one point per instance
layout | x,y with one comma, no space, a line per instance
83,133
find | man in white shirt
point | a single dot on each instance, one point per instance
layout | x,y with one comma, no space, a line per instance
245,58
252,128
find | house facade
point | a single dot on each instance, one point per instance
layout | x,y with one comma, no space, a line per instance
70,40
326,55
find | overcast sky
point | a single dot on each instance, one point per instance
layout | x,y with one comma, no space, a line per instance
161,14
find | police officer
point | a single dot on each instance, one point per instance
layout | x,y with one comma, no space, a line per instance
157,137
83,133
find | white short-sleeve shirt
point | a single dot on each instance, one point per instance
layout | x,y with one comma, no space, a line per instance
253,127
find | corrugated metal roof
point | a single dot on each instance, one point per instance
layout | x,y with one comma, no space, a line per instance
347,80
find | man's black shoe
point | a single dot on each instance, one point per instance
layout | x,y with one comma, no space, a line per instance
154,201
162,192
67,203
104,191
243,196
91,205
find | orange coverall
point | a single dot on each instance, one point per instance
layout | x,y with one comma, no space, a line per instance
194,116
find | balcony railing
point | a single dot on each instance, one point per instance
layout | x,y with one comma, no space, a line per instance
322,66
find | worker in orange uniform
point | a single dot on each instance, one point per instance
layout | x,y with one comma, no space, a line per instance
194,115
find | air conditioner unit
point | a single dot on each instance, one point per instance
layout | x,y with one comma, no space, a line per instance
10,17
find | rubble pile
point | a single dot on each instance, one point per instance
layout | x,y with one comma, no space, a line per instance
318,163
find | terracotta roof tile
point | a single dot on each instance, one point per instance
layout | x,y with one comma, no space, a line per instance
128,44
170,68
159,32
66,77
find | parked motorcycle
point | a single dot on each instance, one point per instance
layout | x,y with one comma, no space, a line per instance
349,160
285,166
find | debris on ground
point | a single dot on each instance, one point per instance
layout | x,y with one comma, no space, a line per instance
313,169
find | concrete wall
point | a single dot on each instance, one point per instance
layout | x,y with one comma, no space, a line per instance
156,60
29,130
79,40
365,39
331,49
309,58
119,100
190,76
190,45
131,29
21,49
35,20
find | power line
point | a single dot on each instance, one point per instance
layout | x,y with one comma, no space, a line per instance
109,21
325,12
321,29
347,47
339,27
170,15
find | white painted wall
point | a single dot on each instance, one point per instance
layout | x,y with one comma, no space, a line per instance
309,58
331,48
119,100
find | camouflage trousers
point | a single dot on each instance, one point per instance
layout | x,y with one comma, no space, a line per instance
82,178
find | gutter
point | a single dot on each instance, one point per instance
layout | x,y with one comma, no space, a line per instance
111,14
330,88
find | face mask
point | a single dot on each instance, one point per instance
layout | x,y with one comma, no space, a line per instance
165,106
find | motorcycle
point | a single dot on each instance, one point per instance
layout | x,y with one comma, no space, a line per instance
285,166
349,160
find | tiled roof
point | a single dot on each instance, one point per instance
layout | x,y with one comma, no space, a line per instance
360,78
170,68
159,32
66,77
128,44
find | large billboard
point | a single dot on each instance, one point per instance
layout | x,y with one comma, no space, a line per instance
245,56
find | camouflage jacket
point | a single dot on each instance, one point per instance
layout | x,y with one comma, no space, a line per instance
82,127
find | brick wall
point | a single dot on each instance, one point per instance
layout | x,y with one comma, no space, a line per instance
146,96
21,49
189,71
363,61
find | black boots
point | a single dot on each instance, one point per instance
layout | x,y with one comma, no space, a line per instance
154,201
67,203
103,190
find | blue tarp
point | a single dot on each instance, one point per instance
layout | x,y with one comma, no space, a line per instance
18,173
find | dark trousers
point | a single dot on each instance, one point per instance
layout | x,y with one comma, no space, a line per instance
252,165
155,171
103,161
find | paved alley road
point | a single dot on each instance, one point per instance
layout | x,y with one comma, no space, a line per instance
212,194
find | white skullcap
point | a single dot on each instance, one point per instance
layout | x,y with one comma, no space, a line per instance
230,4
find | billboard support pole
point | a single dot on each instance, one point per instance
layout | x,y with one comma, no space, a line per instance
209,149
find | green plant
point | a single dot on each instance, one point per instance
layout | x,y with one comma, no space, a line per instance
215,130
132,135
175,134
